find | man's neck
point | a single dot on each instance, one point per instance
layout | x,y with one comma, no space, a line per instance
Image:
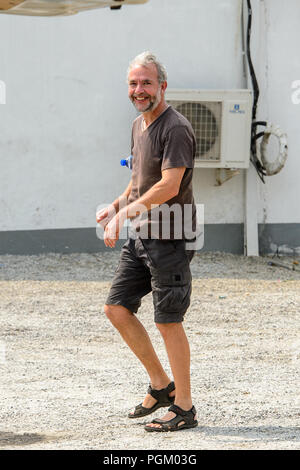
151,116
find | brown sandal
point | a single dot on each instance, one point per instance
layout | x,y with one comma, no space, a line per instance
187,418
162,397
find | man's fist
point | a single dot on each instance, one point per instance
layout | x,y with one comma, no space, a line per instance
104,216
113,228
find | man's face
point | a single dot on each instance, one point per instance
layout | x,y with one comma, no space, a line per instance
144,90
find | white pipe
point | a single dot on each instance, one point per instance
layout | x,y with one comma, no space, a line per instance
251,247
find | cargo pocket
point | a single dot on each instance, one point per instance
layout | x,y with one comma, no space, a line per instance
171,290
118,267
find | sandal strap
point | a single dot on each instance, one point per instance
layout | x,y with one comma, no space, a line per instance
188,418
179,411
171,387
161,395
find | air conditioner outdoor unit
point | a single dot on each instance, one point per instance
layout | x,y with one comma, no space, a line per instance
221,120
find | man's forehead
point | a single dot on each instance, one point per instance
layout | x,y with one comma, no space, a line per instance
143,71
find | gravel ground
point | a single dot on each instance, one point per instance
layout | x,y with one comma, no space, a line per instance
68,380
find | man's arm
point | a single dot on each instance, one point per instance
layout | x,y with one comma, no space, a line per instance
105,215
162,191
121,201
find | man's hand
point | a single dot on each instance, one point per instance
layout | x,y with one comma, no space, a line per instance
113,229
104,216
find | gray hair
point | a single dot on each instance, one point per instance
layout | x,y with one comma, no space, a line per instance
146,58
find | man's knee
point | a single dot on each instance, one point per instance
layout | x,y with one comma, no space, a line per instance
117,314
168,328
108,310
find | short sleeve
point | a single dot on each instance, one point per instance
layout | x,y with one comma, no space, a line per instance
179,148
132,143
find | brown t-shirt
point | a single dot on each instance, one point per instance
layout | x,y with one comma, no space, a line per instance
169,142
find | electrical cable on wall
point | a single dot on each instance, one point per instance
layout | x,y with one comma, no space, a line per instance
264,167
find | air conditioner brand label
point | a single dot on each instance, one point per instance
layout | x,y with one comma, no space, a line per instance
237,110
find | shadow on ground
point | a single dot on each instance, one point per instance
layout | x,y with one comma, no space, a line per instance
12,439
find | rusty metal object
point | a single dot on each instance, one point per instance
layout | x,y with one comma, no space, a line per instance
59,7
8,4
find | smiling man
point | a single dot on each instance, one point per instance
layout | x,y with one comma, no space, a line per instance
144,93
163,149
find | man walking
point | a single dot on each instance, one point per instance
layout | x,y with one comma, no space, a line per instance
156,258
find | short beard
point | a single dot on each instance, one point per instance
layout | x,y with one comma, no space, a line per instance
153,102
156,101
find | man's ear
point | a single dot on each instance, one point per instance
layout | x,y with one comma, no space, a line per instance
164,86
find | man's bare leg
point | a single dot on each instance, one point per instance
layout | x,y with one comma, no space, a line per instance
178,350
137,338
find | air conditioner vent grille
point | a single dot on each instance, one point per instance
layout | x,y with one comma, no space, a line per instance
205,119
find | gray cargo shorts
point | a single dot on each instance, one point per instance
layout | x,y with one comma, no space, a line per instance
160,266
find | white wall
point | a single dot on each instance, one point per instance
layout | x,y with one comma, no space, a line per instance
278,62
67,119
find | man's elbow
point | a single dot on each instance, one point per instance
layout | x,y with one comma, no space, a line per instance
173,191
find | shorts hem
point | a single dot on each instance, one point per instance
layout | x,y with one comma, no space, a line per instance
168,318
131,308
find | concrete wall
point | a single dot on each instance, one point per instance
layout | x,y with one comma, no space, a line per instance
279,68
276,38
67,118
